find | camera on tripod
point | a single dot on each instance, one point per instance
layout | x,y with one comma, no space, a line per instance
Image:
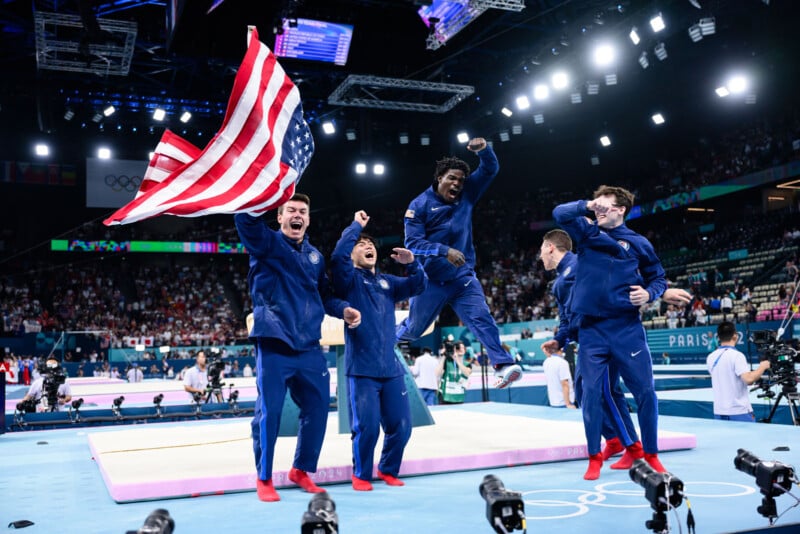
504,509
214,369
53,378
782,361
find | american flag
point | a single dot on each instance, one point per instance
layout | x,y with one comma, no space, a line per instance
250,166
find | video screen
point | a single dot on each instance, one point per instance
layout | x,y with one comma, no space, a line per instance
314,40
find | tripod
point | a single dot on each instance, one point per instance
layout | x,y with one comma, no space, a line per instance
215,390
789,392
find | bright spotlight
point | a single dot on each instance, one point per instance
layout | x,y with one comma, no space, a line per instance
159,114
660,51
634,36
658,118
507,112
643,61
403,138
538,118
708,26
592,88
604,55
576,98
541,92
328,128
504,136
560,80
462,137
605,141
523,102
378,169
361,168
695,33
41,149
104,153
611,79
109,111
516,129
657,23
722,92
350,135
185,116
737,85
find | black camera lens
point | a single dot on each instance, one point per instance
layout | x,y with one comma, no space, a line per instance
746,462
158,398
158,522
77,403
491,484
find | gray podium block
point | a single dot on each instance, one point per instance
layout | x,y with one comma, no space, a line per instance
420,415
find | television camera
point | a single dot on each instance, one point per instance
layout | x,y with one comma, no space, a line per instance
783,359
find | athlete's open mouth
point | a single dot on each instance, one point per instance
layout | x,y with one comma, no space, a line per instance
296,225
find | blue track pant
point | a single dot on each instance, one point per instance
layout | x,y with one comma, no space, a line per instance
466,296
617,422
306,376
376,403
620,340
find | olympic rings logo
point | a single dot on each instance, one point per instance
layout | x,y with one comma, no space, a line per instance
123,182
572,507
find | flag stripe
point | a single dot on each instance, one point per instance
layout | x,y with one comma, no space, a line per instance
251,165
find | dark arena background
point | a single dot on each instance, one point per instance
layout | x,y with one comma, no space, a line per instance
690,104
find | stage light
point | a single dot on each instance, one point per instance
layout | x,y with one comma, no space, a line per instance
657,23
504,136
109,111
538,118
772,478
507,112
523,102
737,85
425,140
361,168
634,36
708,26
516,129
592,88
695,33
505,510
462,137
722,92
664,491
605,141
660,51
97,117
328,128
643,61
658,118
576,98
611,79
604,55
350,135
403,138
104,153
750,99
68,114
378,169
41,150
595,160
321,515
541,92
185,117
560,80
159,114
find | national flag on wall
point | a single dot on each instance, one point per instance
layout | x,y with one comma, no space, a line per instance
250,166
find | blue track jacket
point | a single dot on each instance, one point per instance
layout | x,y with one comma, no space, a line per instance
288,284
369,348
562,290
433,226
609,262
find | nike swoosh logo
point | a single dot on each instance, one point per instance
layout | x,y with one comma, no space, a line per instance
437,208
404,393
465,285
325,373
633,354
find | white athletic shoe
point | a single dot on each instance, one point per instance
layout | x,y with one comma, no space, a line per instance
507,375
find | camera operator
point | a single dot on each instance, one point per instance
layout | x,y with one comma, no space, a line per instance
730,376
455,373
196,378
38,392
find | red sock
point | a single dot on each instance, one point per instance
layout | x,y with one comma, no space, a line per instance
654,462
390,480
613,446
360,484
632,453
300,478
266,491
595,464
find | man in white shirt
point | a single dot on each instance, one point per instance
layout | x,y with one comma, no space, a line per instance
135,374
560,392
730,376
38,394
195,380
427,372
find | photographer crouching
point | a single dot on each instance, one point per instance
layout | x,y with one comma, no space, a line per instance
48,393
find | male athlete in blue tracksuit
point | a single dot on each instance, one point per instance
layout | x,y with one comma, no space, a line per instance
375,382
618,271
291,294
438,226
618,428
